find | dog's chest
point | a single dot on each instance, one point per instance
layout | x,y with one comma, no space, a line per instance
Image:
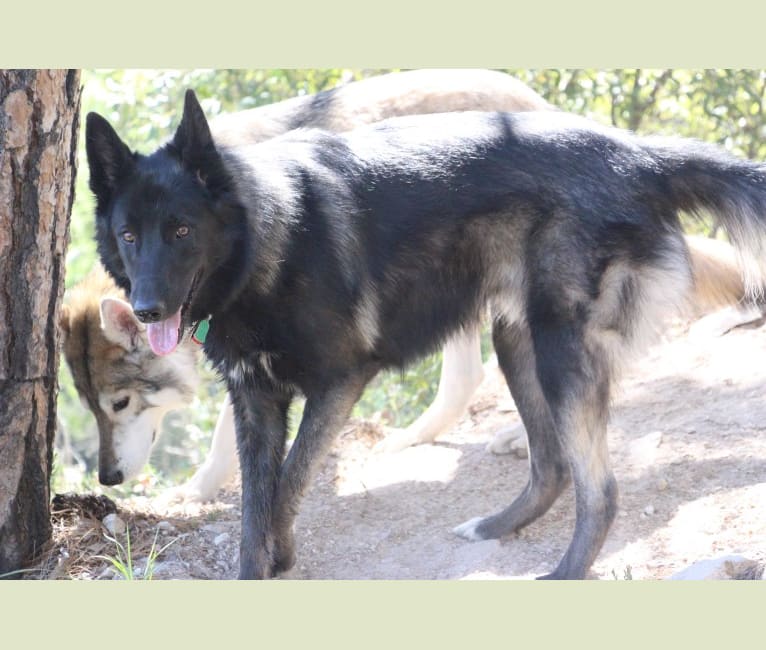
257,351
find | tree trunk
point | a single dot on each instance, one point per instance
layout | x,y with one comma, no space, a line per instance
39,122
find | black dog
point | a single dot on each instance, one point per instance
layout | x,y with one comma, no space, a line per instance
320,259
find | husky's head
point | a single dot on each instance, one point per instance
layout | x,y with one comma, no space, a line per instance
128,388
169,227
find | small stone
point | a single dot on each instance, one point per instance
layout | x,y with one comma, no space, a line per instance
662,485
107,573
166,527
216,529
649,510
114,525
222,538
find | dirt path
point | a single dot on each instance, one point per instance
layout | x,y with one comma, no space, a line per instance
688,446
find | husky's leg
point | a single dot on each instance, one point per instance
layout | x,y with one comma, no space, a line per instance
461,374
323,416
219,466
548,470
261,427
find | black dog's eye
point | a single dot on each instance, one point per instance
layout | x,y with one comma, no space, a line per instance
182,231
128,237
122,404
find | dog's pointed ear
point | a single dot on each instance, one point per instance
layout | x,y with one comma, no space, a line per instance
193,139
109,158
120,324
65,321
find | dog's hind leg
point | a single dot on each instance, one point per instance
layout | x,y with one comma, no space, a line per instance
548,469
575,375
325,413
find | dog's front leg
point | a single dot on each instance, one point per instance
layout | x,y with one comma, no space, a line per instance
325,413
261,423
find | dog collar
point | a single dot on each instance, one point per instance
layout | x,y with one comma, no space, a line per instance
199,334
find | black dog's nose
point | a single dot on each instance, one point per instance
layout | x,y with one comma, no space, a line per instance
148,312
110,477
148,315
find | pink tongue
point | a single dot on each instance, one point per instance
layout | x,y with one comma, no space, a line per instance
163,336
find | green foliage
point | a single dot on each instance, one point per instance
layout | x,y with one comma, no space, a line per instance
723,106
122,562
397,398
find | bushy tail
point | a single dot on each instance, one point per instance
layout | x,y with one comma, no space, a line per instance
704,179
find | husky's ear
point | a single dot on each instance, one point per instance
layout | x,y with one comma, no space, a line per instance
109,158
120,324
194,142
65,323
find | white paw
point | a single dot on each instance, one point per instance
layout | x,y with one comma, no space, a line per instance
183,494
511,440
395,440
501,443
468,531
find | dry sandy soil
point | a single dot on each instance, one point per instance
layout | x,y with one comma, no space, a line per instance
688,447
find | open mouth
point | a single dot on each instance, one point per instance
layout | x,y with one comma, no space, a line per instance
164,336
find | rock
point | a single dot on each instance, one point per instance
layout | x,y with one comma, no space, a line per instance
649,510
728,567
662,485
114,525
222,538
107,573
166,527
216,529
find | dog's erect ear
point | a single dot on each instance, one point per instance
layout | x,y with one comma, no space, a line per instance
109,158
120,324
65,324
193,139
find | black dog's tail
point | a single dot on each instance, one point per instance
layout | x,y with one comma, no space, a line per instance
703,179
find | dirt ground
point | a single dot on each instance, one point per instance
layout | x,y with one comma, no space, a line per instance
688,447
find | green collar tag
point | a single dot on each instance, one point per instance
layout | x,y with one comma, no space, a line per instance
200,332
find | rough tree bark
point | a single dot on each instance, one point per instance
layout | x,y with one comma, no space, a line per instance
39,122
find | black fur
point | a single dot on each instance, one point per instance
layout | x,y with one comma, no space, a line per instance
325,258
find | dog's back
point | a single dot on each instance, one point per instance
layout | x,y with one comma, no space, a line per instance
372,100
